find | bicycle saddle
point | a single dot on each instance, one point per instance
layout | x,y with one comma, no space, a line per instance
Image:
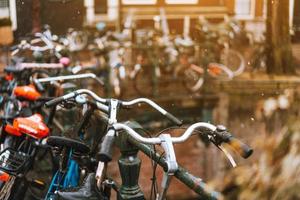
76,145
32,126
28,92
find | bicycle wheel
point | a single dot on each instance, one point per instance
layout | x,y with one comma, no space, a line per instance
192,79
143,82
220,71
233,60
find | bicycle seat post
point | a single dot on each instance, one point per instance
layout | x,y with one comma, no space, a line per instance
63,163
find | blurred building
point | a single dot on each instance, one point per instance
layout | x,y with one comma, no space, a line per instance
75,13
252,12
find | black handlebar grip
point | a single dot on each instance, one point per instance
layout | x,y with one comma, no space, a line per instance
243,149
105,153
173,119
38,85
54,102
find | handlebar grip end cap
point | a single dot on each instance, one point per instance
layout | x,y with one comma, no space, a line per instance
243,149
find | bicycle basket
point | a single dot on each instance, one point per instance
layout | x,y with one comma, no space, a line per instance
13,162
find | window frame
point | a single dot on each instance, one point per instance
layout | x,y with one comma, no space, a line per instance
183,2
139,2
251,14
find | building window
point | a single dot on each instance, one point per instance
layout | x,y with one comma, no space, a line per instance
4,8
100,6
265,7
112,9
139,2
3,3
181,1
245,9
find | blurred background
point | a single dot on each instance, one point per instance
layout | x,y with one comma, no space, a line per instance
247,56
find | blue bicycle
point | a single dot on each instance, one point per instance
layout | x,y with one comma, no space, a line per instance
68,173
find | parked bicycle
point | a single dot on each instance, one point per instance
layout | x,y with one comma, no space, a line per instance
130,138
22,135
178,60
218,40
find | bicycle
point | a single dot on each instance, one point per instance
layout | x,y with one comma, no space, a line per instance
130,142
258,60
20,136
73,155
178,59
17,157
218,39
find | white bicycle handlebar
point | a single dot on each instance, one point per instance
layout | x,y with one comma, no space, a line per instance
157,140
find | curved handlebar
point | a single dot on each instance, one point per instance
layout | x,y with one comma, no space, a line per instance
244,150
155,106
157,140
70,77
122,103
73,94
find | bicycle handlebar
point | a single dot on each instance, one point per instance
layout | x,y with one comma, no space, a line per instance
157,140
243,149
38,85
41,65
122,103
70,77
155,106
73,94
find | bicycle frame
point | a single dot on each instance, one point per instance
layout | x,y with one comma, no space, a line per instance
68,175
64,178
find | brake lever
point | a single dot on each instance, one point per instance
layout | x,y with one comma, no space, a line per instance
170,157
223,149
228,155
